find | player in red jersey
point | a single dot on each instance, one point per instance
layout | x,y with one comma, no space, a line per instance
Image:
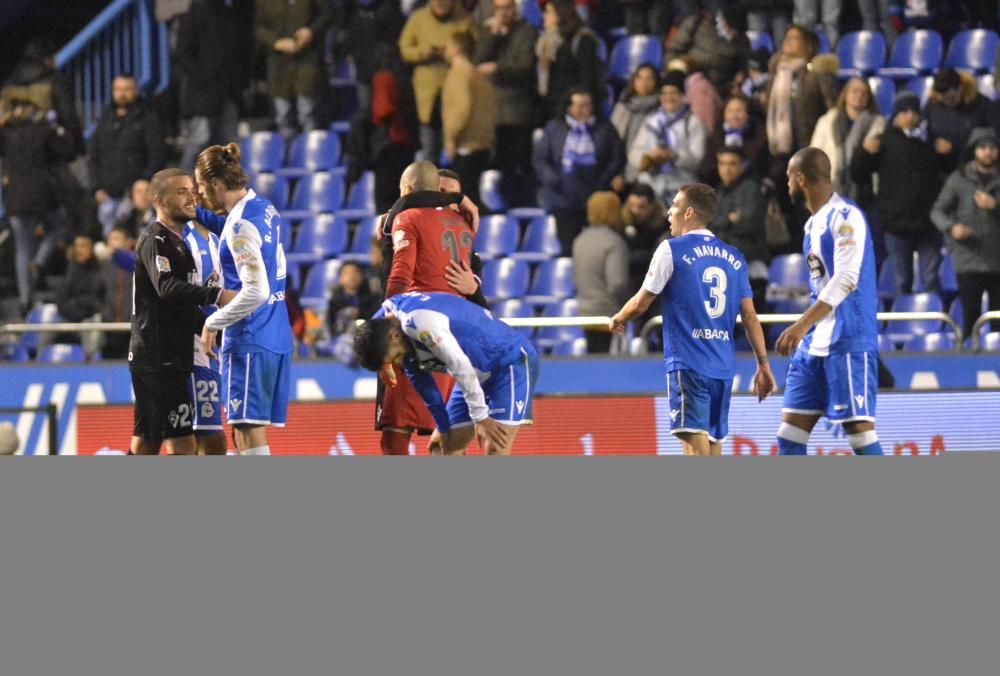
426,242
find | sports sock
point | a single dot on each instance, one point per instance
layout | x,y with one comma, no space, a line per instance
257,450
791,440
395,443
865,443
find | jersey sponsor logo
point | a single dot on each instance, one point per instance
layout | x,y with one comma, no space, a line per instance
845,235
428,338
816,267
206,410
162,264
276,297
399,241
840,407
710,334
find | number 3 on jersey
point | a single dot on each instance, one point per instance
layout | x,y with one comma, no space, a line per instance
716,279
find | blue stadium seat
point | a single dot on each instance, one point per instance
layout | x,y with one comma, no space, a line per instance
973,50
531,12
947,277
47,313
540,241
361,198
915,52
987,86
262,151
320,193
886,287
526,213
319,281
921,86
900,331
319,237
489,191
884,344
497,236
553,281
548,338
504,278
15,352
631,52
861,53
884,90
312,151
991,342
514,307
361,241
272,187
761,39
62,353
577,347
930,342
788,276
957,313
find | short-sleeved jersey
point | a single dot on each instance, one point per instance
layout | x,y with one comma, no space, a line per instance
165,299
450,334
702,281
204,248
837,239
424,241
250,253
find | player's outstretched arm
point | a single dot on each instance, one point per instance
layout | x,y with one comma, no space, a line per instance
790,338
635,307
155,255
763,379
214,222
428,390
255,289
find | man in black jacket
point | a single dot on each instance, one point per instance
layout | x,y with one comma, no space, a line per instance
165,319
909,180
126,146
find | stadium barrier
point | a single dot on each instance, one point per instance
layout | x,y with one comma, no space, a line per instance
983,318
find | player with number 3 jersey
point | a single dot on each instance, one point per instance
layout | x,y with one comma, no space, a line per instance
704,285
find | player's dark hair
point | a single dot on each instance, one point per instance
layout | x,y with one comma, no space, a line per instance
223,163
813,164
448,173
371,343
465,41
643,190
701,198
158,184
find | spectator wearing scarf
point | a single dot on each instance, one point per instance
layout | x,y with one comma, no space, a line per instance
671,143
739,129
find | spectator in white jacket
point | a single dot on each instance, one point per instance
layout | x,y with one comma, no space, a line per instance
670,145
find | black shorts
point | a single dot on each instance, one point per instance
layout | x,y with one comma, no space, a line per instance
162,405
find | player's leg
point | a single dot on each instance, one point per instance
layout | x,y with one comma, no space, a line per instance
689,396
853,380
802,405
206,387
462,430
251,379
718,424
251,439
176,407
490,448
211,444
181,445
508,396
395,440
694,443
147,424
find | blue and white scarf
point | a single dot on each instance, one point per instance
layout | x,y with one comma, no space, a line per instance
579,149
918,132
662,125
734,137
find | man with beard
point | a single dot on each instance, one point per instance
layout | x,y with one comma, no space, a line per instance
835,342
166,313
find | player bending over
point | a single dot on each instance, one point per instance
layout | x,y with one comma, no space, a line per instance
835,368
494,366
703,283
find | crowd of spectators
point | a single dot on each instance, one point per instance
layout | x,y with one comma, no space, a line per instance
478,86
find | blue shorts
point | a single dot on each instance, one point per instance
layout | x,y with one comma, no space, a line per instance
841,386
205,389
699,404
508,394
258,385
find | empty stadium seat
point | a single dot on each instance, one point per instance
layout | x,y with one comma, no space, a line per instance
576,347
312,151
531,12
526,213
548,337
489,191
861,53
319,237
915,52
497,236
973,50
902,330
322,192
540,241
991,342
824,42
514,308
47,313
262,151
319,281
60,353
957,312
553,281
931,342
361,198
361,242
15,352
504,278
987,86
631,52
884,90
947,277
761,39
788,275
272,187
884,344
921,86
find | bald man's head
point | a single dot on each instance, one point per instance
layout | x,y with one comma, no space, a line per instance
813,164
419,176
